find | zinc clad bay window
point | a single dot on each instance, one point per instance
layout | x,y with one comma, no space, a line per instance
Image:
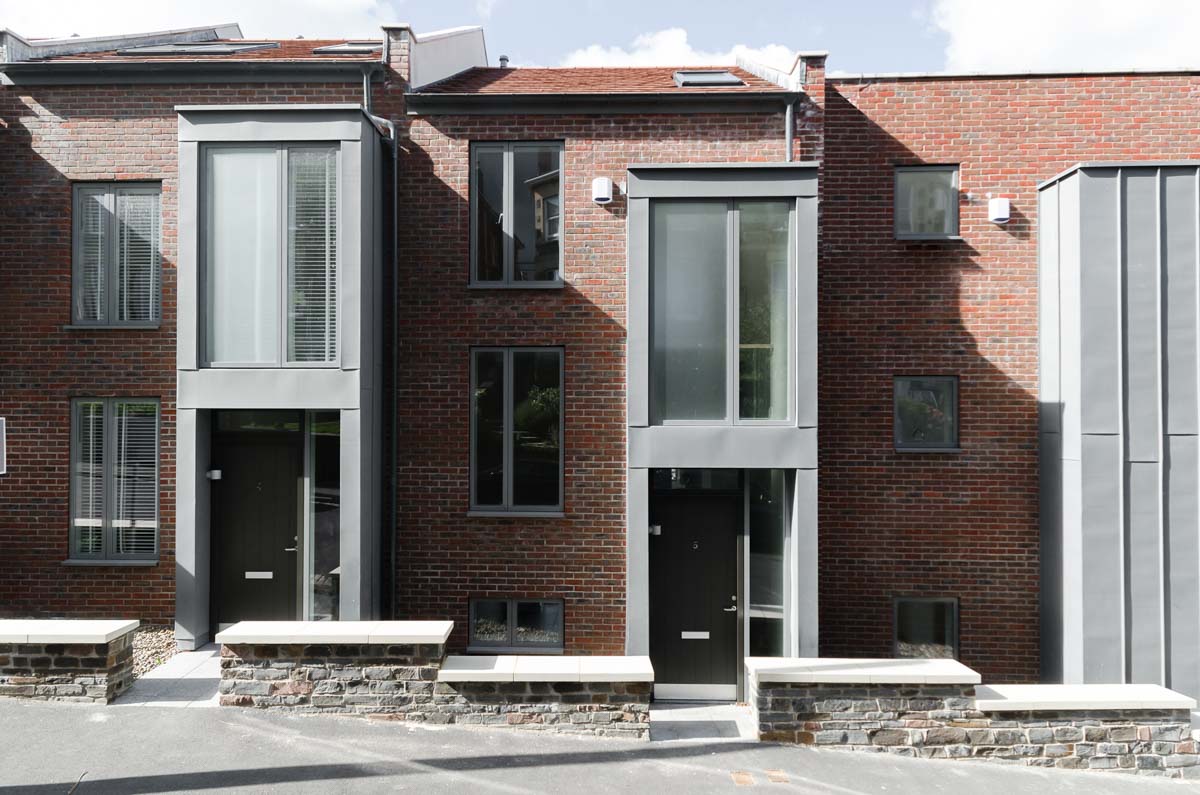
516,214
114,479
721,291
270,256
117,268
516,429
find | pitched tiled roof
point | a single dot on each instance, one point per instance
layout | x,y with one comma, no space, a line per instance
589,80
288,50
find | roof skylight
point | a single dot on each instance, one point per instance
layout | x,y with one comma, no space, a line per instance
706,77
350,48
200,48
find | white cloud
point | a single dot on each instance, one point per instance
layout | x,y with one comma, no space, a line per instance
484,8
1023,35
670,47
308,18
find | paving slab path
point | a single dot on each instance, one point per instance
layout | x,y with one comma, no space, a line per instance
50,747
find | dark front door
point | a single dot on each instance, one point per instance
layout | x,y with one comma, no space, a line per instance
693,595
256,524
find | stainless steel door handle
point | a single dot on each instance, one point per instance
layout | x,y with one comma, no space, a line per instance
290,549
732,609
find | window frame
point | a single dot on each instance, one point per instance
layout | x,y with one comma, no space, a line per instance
910,447
954,171
511,646
108,554
508,149
110,190
508,508
733,309
955,621
281,149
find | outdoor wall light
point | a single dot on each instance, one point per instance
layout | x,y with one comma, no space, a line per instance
999,211
602,190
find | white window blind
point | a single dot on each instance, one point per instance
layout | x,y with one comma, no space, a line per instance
114,501
312,255
117,254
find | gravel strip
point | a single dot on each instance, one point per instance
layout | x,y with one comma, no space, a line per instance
152,646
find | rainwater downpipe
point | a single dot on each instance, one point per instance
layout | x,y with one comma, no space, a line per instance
394,453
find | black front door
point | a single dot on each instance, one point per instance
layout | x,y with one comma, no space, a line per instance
256,524
693,595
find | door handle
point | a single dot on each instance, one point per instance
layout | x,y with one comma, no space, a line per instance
290,549
730,609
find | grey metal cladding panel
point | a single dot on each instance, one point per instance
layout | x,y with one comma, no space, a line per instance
1145,562
351,585
1141,321
1072,570
1100,299
187,296
1179,300
722,183
720,446
1049,396
637,285
268,388
1103,615
351,249
1183,562
294,123
637,562
1069,377
806,312
804,544
1050,506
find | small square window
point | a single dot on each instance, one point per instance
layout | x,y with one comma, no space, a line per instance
528,625
926,628
926,202
926,412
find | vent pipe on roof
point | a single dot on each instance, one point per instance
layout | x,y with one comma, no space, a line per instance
503,61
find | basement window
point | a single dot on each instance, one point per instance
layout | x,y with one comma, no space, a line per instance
926,202
516,625
925,628
706,77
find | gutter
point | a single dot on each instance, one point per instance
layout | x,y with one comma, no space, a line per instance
599,104
82,72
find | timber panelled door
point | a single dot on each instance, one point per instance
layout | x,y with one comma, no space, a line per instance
694,564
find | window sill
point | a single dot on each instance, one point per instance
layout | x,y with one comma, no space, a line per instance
97,562
516,514
927,450
110,327
555,285
513,650
933,239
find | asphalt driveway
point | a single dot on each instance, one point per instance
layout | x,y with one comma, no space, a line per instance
48,748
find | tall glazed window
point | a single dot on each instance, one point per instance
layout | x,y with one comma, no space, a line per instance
722,289
117,268
270,259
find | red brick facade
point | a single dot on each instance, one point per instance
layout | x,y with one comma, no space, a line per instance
962,524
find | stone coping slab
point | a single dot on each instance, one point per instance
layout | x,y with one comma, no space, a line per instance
308,632
534,668
64,630
844,670
1080,698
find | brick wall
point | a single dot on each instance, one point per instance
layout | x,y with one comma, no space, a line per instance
962,524
50,137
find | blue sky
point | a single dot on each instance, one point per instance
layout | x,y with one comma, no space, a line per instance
861,35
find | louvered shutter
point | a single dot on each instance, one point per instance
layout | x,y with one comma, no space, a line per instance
135,478
312,255
137,213
87,513
91,293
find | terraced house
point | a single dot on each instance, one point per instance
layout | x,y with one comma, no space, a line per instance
699,363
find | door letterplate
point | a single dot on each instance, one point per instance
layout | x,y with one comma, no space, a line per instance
693,635
260,575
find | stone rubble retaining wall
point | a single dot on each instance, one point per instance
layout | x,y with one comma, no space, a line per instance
325,677
605,709
84,672
398,682
941,721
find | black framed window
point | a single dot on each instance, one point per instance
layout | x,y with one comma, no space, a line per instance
116,255
517,429
926,412
114,479
925,627
519,624
926,202
516,214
